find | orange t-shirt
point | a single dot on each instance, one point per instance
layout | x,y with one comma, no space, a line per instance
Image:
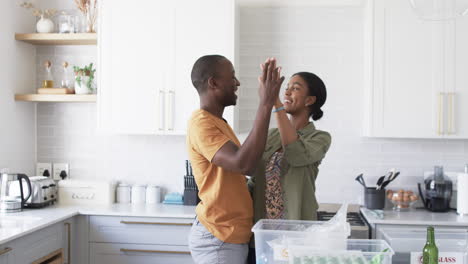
226,208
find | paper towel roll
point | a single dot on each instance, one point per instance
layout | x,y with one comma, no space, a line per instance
462,193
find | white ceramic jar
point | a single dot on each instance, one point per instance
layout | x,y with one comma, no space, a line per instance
44,25
138,194
123,193
153,194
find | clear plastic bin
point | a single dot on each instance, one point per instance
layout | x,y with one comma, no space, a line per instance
270,235
452,244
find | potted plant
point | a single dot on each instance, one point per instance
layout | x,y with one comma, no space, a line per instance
84,79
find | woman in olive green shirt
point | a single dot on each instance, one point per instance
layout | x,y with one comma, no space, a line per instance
283,184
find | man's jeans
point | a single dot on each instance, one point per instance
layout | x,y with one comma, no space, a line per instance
207,249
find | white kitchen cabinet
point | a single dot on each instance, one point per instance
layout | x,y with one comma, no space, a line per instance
201,28
416,87
138,240
37,246
460,87
146,53
6,254
132,56
138,254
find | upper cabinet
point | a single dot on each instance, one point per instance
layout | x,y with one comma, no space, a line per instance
415,86
146,53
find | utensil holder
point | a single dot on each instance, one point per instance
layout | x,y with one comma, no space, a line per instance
373,198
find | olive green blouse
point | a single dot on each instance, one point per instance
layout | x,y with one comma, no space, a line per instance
299,170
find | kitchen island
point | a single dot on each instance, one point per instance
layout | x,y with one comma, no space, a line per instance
405,232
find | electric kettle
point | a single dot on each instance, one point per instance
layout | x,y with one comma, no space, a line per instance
12,203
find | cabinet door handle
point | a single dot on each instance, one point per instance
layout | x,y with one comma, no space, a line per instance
170,110
5,250
68,225
451,110
439,114
161,108
126,250
154,223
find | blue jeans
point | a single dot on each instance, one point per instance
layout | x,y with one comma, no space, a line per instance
207,249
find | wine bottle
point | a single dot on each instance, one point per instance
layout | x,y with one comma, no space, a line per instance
430,251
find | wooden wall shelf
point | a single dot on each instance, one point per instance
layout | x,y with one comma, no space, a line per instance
58,39
78,98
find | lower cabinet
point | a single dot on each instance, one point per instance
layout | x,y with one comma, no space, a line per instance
138,254
6,254
51,244
134,240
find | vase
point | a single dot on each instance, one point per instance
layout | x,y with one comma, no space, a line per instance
83,85
44,25
90,16
90,22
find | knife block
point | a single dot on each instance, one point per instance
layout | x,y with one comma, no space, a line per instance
191,197
190,191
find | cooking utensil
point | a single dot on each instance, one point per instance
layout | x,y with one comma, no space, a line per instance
380,180
190,168
360,179
390,179
187,167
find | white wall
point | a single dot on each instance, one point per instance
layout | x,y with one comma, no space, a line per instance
17,73
327,41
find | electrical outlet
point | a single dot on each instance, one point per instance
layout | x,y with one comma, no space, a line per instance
58,168
42,167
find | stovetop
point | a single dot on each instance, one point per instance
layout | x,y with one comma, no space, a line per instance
354,218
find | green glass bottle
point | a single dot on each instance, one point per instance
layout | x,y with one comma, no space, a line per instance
430,251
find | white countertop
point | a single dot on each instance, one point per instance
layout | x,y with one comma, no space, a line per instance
414,217
14,225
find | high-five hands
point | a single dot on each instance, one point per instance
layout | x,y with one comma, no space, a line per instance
270,82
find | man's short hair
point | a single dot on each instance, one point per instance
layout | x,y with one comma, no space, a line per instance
203,69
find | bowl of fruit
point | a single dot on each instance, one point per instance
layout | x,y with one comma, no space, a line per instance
402,200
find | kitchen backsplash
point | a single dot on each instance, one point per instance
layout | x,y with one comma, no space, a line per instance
74,55
326,41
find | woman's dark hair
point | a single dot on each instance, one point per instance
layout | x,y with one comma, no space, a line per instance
316,88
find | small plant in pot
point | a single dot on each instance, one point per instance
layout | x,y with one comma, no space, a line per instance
84,79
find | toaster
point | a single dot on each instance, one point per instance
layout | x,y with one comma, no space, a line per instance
44,192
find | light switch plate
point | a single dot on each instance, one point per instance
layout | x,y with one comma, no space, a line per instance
41,167
58,168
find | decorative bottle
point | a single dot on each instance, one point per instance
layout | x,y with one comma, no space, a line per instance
48,81
430,250
65,81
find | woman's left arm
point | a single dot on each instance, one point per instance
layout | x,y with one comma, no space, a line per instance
287,132
307,149
300,150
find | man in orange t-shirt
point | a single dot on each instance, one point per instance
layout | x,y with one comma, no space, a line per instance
222,230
